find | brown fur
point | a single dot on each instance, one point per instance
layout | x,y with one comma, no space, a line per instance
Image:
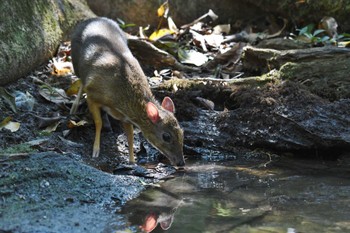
115,82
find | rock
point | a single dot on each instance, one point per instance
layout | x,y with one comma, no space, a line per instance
49,192
286,117
31,31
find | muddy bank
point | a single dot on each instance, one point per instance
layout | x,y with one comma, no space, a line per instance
50,192
288,118
280,116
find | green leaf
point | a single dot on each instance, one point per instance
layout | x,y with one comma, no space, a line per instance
325,38
310,27
307,29
308,35
123,26
318,31
302,31
340,37
345,34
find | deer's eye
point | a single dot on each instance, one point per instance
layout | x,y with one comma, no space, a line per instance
166,137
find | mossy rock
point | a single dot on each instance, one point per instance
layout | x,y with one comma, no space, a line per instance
31,31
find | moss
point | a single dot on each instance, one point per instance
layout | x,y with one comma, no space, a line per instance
327,80
18,149
30,32
288,70
181,83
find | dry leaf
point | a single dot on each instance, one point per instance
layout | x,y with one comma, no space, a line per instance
54,95
214,40
52,128
156,35
5,121
192,57
74,88
222,28
10,125
200,38
47,121
171,25
73,124
8,98
61,68
163,10
229,58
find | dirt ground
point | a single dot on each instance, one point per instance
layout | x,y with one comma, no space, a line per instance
282,116
46,126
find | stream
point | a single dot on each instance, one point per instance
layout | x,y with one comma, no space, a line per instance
249,195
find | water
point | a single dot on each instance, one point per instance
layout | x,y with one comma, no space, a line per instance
246,196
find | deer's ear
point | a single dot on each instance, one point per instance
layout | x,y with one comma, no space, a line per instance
168,104
166,223
152,112
150,223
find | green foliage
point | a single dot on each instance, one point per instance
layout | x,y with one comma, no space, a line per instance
17,149
313,36
124,25
318,36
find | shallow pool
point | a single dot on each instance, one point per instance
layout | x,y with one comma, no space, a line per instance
246,196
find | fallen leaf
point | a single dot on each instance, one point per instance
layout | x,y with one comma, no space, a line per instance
198,27
73,124
156,35
222,29
5,121
229,59
61,68
168,46
12,126
200,38
343,44
214,40
74,88
47,121
192,57
52,128
54,95
9,99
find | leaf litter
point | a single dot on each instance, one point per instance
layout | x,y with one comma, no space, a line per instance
39,107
